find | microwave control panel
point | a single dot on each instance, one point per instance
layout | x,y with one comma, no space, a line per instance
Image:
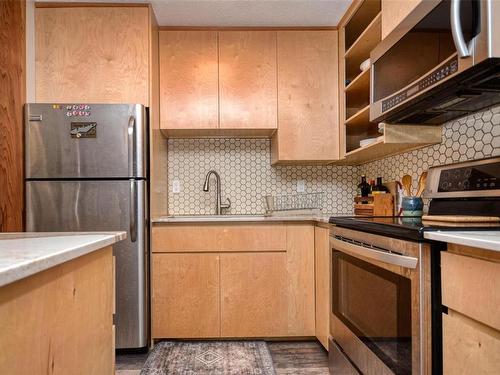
448,68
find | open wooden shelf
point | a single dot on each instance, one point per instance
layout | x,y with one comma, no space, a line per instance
396,139
358,91
361,48
360,118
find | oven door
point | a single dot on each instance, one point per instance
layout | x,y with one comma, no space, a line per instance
371,307
435,43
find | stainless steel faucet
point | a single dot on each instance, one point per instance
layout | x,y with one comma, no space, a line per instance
206,187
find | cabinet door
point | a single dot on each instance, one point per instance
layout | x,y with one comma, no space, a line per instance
308,130
93,54
188,80
322,281
247,79
185,295
253,294
393,12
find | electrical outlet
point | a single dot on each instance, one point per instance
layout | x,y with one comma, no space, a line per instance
176,186
301,186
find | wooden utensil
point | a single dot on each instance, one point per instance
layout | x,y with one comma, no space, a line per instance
421,184
406,182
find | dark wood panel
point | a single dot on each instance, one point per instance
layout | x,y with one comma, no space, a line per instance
12,97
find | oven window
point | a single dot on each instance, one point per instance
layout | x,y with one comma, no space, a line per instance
422,48
375,305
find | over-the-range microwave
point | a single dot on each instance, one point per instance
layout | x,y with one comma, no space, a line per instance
441,62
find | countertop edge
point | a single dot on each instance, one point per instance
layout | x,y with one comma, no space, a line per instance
31,267
463,238
228,219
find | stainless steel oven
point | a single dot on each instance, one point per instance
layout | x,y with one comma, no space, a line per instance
441,62
380,304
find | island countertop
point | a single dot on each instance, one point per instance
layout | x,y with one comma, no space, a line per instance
489,240
25,254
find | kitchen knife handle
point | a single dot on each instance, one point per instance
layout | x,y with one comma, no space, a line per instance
131,146
133,211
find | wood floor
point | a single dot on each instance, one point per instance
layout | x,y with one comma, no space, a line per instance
289,357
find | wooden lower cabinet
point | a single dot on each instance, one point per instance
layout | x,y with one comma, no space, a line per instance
469,347
185,295
60,321
253,294
322,283
239,293
471,328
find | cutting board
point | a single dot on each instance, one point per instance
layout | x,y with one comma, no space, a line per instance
461,219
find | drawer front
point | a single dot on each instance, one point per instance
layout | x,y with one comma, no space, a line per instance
185,238
219,238
472,287
469,347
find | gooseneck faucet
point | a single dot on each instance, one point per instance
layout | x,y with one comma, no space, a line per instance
206,187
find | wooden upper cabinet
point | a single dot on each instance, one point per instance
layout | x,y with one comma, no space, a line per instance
188,80
92,54
393,12
247,80
308,130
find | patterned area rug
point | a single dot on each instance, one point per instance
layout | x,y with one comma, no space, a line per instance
209,357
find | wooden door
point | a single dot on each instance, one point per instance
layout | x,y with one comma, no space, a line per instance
308,129
185,295
92,54
253,294
247,80
188,80
393,12
322,282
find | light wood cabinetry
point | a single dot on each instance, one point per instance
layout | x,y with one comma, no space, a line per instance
250,280
93,54
60,321
322,283
185,293
307,98
471,327
254,294
188,80
247,80
360,30
393,12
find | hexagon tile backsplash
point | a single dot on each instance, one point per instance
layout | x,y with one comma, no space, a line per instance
247,175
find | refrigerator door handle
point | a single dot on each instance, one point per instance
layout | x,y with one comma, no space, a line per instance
133,211
131,146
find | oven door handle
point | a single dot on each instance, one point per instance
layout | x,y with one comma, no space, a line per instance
382,256
463,49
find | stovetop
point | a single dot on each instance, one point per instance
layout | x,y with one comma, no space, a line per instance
408,228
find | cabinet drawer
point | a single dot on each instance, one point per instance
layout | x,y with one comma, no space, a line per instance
338,362
472,287
219,238
185,238
469,347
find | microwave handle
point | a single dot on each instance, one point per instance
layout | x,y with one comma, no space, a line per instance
457,32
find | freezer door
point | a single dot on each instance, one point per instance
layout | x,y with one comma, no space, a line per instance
100,141
103,206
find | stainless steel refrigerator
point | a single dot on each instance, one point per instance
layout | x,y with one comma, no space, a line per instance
87,170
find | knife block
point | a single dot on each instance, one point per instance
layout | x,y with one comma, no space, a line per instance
374,205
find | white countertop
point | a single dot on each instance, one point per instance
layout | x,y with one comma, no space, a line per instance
25,254
489,240
323,218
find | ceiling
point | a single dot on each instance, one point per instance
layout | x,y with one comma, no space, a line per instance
273,13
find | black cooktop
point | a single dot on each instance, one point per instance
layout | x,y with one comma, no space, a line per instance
408,228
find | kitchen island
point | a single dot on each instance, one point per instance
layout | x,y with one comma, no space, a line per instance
57,303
